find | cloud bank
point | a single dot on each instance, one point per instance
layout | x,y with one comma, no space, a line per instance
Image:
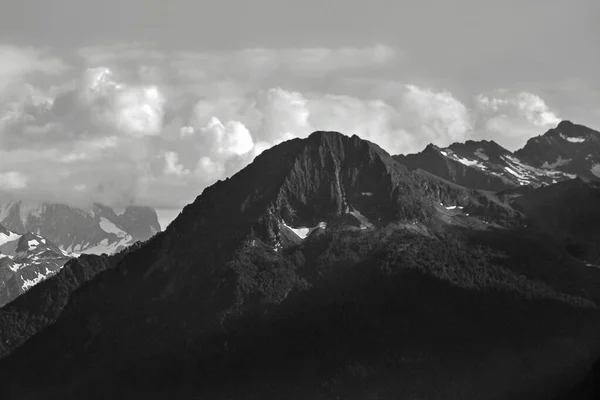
136,124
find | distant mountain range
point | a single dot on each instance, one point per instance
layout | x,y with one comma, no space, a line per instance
566,152
26,260
61,231
329,269
96,231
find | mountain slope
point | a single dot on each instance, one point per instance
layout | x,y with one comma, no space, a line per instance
96,231
569,147
43,304
568,211
26,260
482,165
328,267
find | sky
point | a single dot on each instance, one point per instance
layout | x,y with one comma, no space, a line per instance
148,102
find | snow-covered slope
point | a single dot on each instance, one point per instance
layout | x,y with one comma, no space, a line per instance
26,260
74,230
487,165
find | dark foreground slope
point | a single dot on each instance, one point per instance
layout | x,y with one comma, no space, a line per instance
39,307
407,285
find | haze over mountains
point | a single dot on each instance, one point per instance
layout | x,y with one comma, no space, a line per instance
96,231
328,268
57,232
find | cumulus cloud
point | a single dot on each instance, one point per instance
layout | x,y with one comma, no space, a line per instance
172,165
136,124
514,116
97,105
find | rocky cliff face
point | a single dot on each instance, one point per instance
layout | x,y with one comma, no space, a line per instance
563,153
95,231
26,260
571,148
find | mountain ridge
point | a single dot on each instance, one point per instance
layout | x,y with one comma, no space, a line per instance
96,231
562,153
318,232
25,260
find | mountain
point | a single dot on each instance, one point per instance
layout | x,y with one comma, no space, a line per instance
43,303
74,230
483,165
562,153
26,260
568,212
325,269
571,148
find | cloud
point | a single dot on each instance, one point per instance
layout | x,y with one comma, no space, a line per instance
12,180
137,124
245,63
514,116
172,165
17,62
96,105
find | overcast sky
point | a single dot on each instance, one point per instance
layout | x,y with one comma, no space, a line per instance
148,101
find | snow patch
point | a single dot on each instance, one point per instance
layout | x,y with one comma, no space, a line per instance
33,243
513,172
595,170
106,247
29,283
4,238
454,207
15,267
469,163
369,194
109,227
573,139
303,232
364,221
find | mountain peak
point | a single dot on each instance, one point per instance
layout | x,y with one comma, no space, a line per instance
570,147
570,130
565,124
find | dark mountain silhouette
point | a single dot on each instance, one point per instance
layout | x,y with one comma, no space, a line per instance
325,269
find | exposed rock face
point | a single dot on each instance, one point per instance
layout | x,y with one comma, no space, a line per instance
96,231
571,148
562,153
26,260
457,168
